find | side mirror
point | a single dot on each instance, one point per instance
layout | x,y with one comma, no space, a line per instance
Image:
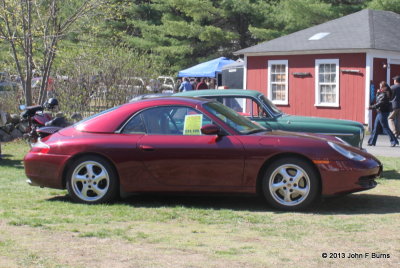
211,129
22,107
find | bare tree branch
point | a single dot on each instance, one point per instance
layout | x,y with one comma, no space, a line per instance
21,28
11,40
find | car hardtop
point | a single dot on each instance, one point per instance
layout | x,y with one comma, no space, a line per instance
109,120
130,107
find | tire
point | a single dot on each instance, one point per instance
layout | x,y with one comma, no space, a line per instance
290,184
92,180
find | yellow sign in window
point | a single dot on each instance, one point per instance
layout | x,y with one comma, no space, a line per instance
192,124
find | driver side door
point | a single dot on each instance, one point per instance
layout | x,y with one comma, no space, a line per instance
176,154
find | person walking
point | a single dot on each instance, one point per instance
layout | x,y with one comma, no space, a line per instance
394,116
383,108
185,86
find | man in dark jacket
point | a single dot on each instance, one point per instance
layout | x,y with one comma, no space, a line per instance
382,106
394,116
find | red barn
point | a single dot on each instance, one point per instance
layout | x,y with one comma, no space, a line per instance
328,70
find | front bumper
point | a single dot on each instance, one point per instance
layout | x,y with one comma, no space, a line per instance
340,177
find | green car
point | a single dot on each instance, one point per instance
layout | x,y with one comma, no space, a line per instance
258,108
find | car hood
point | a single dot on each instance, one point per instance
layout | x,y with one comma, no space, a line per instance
298,135
320,121
312,143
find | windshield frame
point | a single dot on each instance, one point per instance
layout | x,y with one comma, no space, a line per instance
270,106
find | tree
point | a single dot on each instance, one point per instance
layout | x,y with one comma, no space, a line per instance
250,20
180,32
390,5
185,32
33,29
295,15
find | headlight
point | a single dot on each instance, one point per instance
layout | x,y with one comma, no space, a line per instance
346,153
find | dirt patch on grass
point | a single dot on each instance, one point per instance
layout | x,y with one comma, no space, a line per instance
24,246
34,247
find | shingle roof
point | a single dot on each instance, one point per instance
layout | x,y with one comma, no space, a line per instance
366,29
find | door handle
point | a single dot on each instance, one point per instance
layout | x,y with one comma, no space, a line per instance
146,148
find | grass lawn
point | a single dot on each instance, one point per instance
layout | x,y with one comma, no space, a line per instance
43,228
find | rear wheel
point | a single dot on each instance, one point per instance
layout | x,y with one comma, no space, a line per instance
290,184
92,180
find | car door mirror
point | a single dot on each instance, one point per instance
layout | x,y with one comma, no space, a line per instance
211,129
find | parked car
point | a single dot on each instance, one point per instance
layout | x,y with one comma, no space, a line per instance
189,145
260,109
167,83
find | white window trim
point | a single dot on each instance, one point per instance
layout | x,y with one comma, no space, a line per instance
272,62
317,93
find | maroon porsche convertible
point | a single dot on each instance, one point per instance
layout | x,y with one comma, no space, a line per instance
178,144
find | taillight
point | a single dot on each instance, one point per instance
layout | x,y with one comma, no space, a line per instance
40,148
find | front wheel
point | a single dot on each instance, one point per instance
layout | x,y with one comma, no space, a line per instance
290,184
92,180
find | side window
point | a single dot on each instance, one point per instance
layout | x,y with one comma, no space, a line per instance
168,120
245,106
215,98
189,121
236,104
134,126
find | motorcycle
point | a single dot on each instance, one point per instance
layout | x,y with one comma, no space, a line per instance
40,124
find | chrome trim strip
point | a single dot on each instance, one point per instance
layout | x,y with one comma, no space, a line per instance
338,134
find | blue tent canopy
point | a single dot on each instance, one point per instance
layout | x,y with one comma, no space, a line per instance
206,69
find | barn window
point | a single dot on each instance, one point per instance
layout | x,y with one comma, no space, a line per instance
327,82
278,81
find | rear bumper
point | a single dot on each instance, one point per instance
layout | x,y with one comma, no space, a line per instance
45,170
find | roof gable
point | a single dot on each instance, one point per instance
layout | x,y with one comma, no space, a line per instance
366,29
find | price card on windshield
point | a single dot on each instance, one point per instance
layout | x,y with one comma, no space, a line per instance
192,124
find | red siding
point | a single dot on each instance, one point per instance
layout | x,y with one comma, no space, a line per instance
302,89
378,76
379,71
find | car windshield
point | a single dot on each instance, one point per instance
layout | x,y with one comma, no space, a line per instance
236,121
273,109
